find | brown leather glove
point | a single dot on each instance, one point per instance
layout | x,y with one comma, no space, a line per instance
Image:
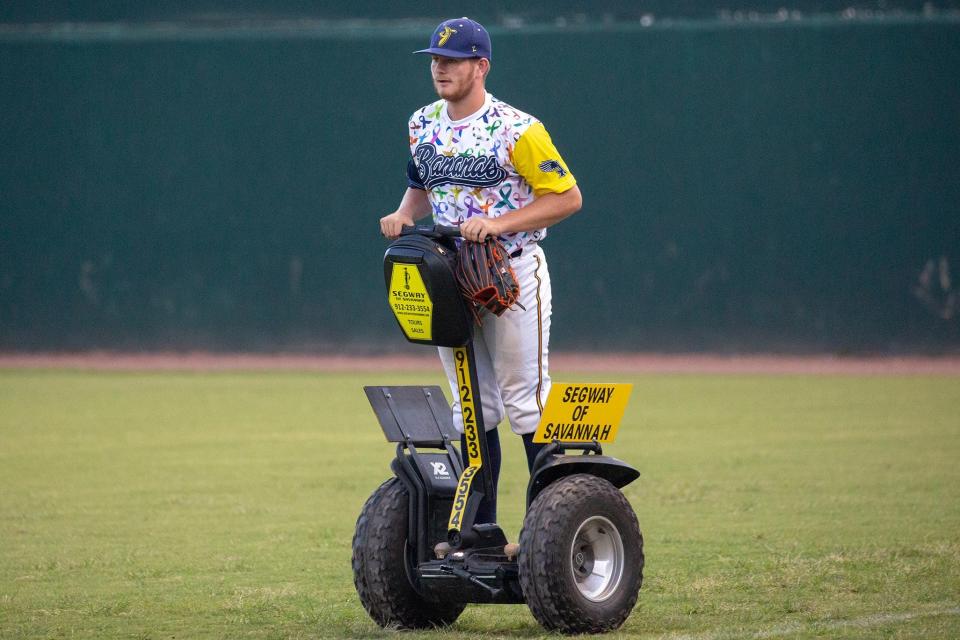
485,277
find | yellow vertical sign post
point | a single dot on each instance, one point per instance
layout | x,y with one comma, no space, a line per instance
583,412
410,301
471,433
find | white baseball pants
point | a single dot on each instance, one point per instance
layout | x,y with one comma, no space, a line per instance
511,352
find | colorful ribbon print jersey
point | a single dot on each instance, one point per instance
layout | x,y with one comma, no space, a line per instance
490,163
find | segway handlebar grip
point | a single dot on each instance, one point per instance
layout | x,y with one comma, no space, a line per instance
431,231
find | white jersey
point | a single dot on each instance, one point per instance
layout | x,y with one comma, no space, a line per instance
490,163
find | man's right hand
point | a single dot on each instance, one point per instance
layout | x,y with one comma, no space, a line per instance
390,225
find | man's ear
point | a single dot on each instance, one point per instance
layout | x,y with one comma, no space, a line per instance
484,66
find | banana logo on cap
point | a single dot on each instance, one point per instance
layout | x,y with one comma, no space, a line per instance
445,35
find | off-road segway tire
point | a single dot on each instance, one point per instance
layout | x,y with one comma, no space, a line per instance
381,566
581,556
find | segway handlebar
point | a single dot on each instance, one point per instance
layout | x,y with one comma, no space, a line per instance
435,231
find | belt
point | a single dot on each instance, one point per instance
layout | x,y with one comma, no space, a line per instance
516,253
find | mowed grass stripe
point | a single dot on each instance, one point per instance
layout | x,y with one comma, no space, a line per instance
221,505
867,622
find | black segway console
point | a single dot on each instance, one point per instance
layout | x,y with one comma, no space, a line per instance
422,290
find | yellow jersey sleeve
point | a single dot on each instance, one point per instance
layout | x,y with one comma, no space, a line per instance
537,160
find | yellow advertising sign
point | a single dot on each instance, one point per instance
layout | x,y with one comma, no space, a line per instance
583,412
410,301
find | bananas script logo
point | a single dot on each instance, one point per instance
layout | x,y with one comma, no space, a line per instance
470,171
445,35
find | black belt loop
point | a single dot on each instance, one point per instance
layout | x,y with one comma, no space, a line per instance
516,253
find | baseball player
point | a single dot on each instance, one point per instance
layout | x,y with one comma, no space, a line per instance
491,169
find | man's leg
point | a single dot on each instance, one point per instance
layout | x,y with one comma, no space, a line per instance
487,511
518,344
489,392
531,448
493,413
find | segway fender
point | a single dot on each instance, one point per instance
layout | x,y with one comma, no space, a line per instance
616,472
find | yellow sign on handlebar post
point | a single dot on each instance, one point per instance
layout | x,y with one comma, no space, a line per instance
583,412
410,301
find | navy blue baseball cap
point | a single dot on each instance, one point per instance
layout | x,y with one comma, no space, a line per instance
460,38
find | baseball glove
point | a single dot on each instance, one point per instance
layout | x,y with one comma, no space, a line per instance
485,277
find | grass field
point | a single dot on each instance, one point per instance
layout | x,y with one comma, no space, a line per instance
197,505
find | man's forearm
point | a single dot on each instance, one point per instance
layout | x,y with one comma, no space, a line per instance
414,204
545,211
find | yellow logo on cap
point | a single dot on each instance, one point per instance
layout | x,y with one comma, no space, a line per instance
447,32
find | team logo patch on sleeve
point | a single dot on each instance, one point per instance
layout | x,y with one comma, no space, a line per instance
549,166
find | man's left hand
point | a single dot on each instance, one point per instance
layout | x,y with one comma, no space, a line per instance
479,228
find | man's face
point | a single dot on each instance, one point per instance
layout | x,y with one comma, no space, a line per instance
454,78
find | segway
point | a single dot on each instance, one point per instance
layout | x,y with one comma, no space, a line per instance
579,565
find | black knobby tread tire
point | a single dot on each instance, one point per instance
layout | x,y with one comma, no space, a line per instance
545,575
379,566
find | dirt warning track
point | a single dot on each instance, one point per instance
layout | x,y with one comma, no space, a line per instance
580,362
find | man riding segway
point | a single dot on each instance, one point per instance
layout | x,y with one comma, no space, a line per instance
427,541
491,170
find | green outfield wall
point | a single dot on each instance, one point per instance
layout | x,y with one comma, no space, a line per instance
778,184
